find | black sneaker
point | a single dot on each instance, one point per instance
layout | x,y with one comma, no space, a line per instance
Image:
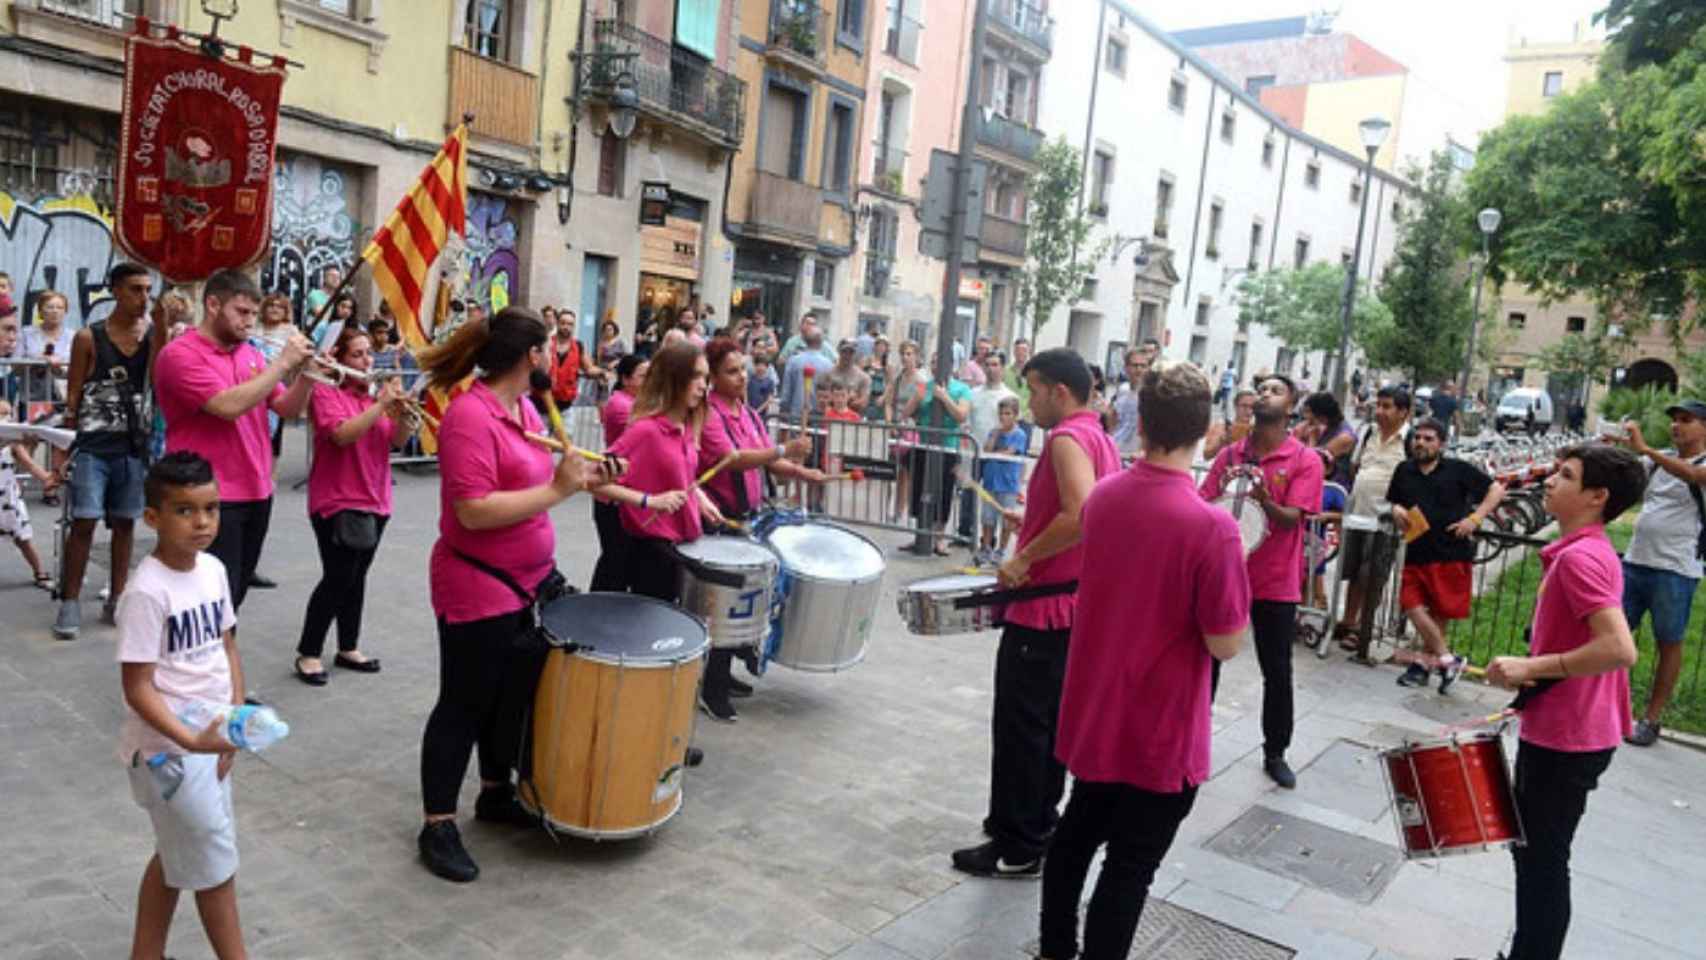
442,852
718,709
1646,734
1415,675
1448,673
739,688
1280,772
986,860
499,805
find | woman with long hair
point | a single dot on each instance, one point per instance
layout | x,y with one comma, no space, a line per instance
349,503
496,543
608,573
736,433
877,365
1325,429
660,504
905,391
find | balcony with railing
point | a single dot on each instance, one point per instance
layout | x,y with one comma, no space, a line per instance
790,209
503,99
888,169
902,39
1023,23
799,30
670,81
1003,236
1013,140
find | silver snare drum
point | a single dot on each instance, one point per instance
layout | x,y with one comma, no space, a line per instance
737,616
836,578
928,608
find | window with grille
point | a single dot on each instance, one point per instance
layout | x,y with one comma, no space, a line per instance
1356,191
1176,94
612,161
882,239
1312,175
838,148
1163,206
486,28
1101,179
1228,126
1203,307
1268,151
823,279
1255,246
1115,59
28,168
1216,215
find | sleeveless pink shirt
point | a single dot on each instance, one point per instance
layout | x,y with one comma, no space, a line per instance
1042,503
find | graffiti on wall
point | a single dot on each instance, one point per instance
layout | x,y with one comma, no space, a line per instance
492,267
60,243
56,205
312,226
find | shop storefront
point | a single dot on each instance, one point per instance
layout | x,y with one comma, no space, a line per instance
765,281
672,237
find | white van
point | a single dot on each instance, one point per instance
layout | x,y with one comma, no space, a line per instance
1514,408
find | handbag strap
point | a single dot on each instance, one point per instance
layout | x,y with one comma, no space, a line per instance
496,574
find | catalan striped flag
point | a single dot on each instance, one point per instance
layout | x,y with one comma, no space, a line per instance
403,251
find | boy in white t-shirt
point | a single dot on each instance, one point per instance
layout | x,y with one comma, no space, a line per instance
176,645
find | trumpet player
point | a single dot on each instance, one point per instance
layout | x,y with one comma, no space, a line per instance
215,389
356,425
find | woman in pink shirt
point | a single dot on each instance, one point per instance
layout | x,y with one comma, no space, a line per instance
659,500
349,502
496,549
735,431
606,515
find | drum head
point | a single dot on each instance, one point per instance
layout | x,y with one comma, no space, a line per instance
952,583
826,552
623,625
1252,522
720,550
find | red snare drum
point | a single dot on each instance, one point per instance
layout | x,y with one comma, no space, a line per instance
1452,796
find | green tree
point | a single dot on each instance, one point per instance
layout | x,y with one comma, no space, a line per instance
1588,358
1059,253
1422,284
1304,308
1604,194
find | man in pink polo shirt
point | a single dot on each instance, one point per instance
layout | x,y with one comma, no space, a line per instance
1025,780
214,390
1163,596
1577,680
1289,491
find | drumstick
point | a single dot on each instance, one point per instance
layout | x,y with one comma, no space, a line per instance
553,444
977,488
556,417
704,478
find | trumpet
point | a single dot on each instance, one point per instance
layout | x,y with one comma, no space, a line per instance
323,369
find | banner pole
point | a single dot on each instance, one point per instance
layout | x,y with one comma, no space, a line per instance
349,275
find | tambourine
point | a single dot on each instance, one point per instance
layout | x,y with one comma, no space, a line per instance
1252,519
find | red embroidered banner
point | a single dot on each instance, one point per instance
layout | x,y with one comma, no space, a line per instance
196,159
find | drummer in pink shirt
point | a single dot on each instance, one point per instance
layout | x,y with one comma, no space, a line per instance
1575,708
661,501
1289,492
1026,781
495,541
606,514
214,391
1134,716
349,502
735,433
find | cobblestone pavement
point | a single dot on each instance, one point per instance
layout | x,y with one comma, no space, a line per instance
819,825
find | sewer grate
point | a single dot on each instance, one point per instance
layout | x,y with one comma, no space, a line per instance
1340,863
1179,934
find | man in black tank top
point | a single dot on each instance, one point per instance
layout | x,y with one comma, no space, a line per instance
106,403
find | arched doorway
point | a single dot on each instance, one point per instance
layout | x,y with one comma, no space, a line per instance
1649,371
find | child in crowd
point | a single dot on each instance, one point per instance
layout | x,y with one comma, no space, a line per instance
761,386
14,515
177,645
1002,479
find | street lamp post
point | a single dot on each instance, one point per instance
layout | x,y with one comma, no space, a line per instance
1373,132
1488,221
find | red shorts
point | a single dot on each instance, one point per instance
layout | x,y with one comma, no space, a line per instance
1444,588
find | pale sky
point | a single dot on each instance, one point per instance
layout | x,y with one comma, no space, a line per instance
1454,47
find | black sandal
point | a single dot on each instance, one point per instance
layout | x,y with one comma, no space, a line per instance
44,581
370,665
314,678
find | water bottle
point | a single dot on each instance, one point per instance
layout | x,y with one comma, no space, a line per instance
243,726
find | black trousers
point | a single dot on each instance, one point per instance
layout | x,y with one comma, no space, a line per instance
1026,782
485,686
942,495
1138,828
1273,626
242,532
1552,789
341,592
609,572
650,570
